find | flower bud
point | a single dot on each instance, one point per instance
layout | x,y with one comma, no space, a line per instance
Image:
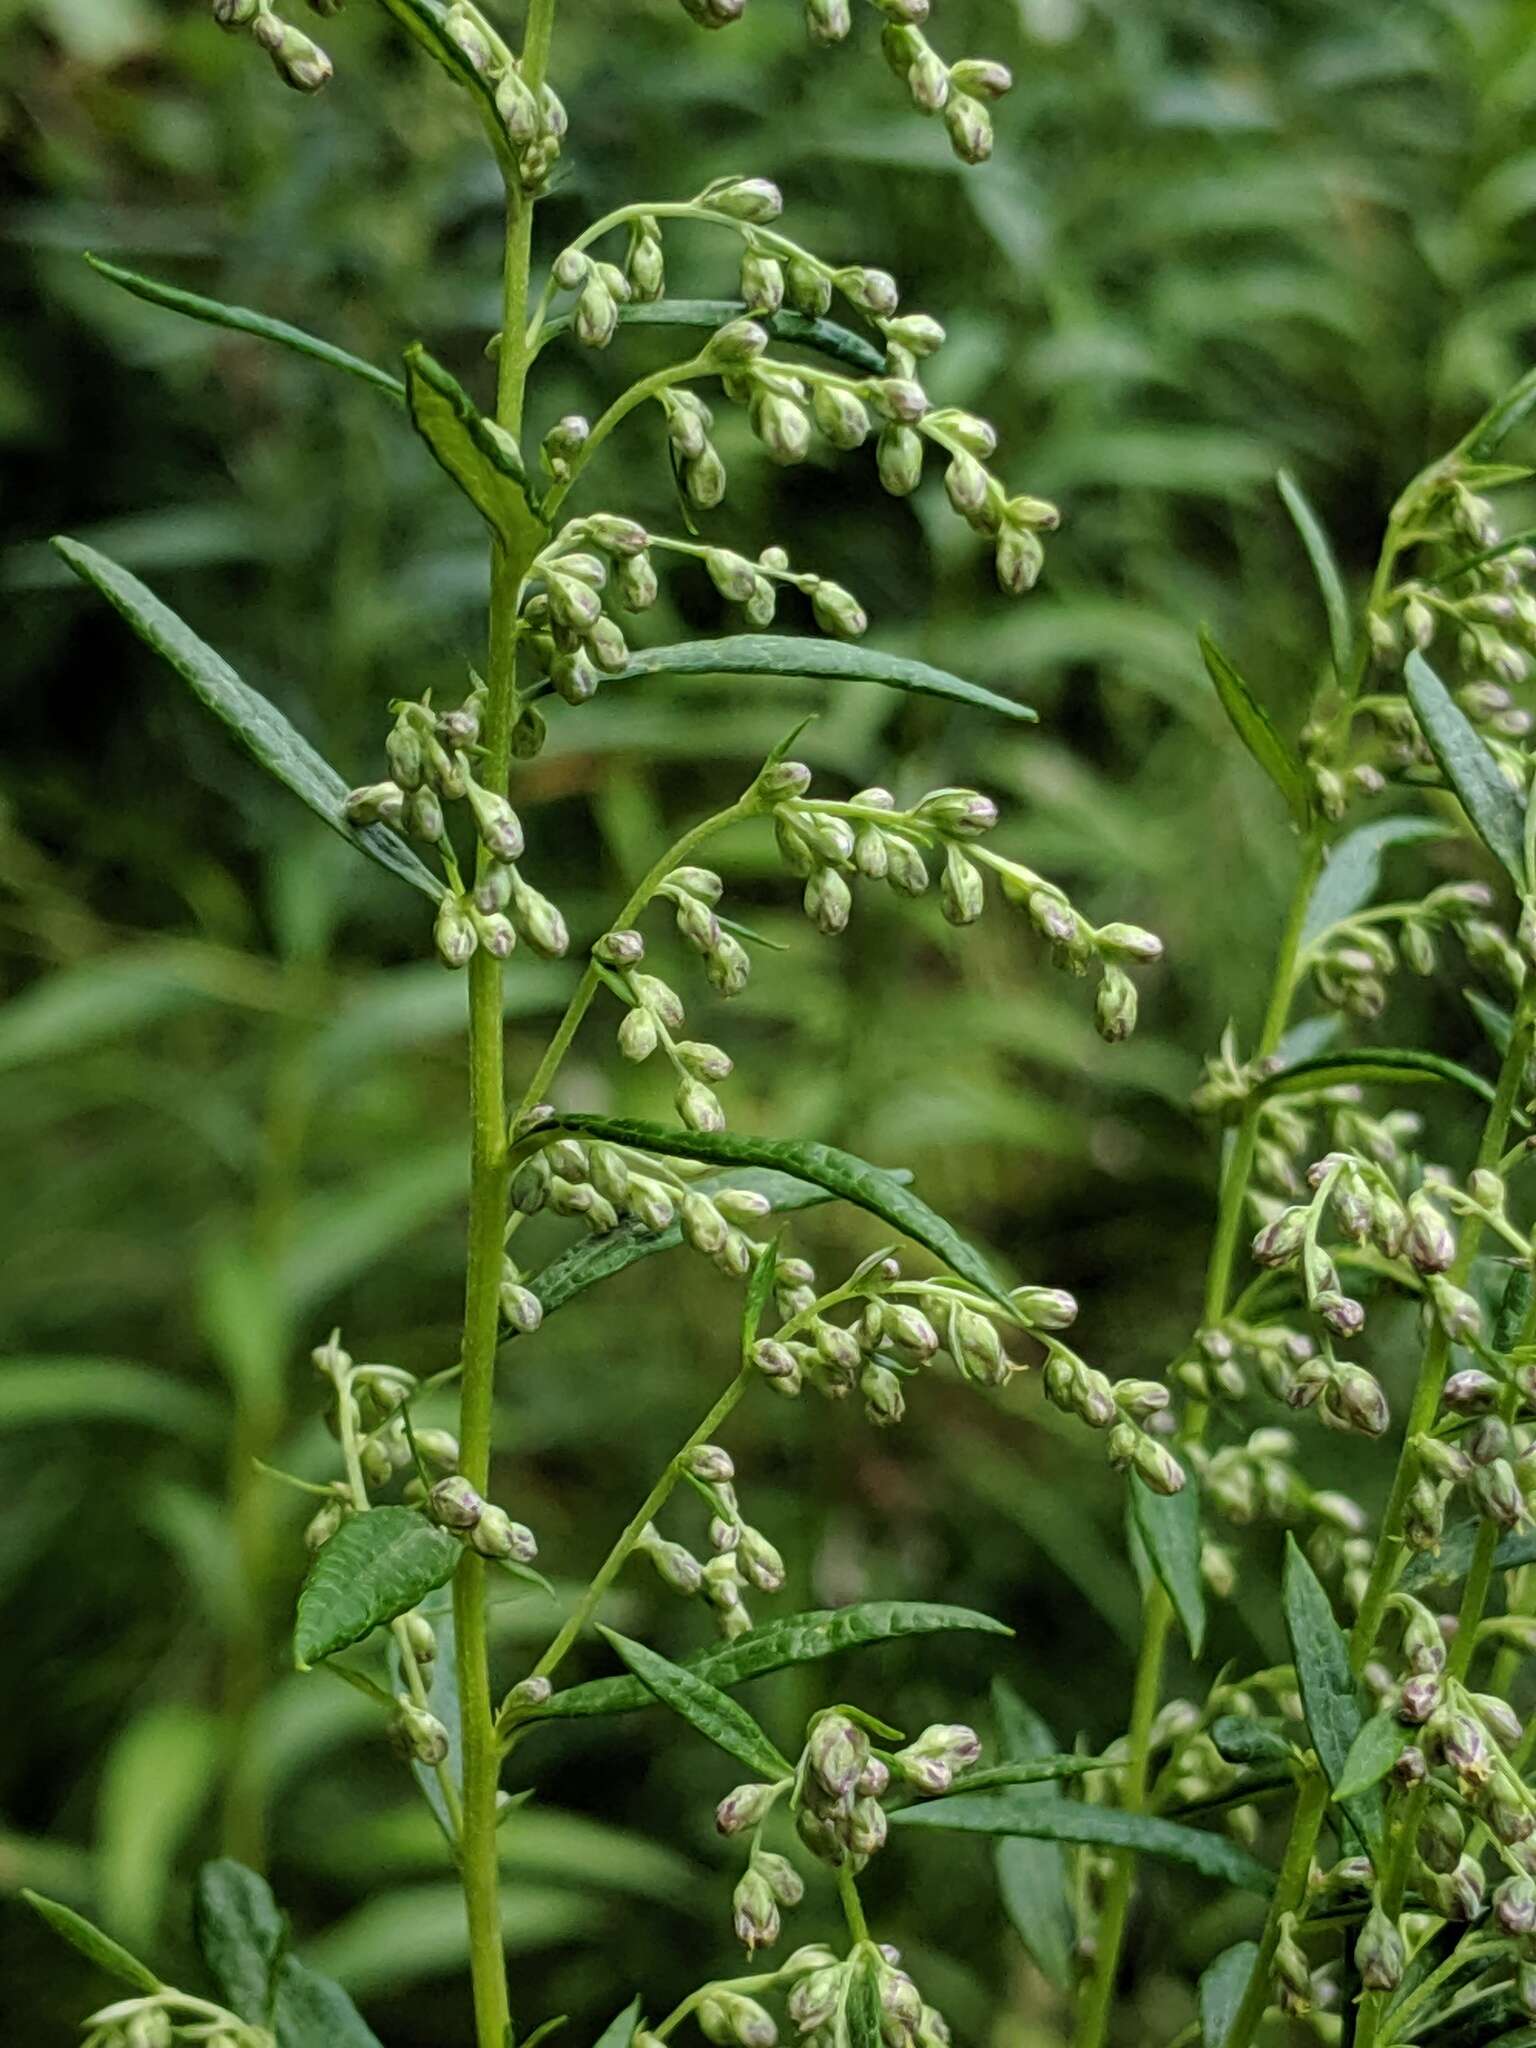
899,460
872,291
836,1752
496,1535
454,1504
755,200
1379,1953
837,611
376,803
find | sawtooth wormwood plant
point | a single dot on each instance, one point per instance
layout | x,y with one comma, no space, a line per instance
1401,1790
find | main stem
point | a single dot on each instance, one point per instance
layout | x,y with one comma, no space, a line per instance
510,557
1098,1999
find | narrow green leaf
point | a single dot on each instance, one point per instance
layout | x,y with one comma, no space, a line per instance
840,1173
714,1713
1253,727
243,1939
759,1291
257,724
1169,1526
1501,419
1222,1984
826,336
1381,1741
96,1947
797,1639
782,654
1100,1827
1390,1066
1238,1740
375,1567
243,321
1514,1307
861,2004
1353,873
1453,1560
1050,1769
1496,1022
1032,1876
482,458
544,2031
1495,811
1329,1694
1325,567
620,2030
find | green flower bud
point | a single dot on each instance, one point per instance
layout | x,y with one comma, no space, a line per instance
1114,1010
323,1525
438,1447
907,871
899,459
377,803
968,486
737,343
761,1564
961,890
636,583
837,612
1157,1466
638,1035
828,901
982,77
454,1504
784,431
755,1912
608,647
453,932
596,318
754,200
421,1636
840,416
762,282
496,1535
884,1401
970,128
728,967
521,1307
422,1734
836,1752
1046,1308
538,921
519,111
698,1107
872,291
704,479
1019,559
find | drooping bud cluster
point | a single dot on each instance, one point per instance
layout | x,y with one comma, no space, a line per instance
604,1184
533,122
297,59
1352,961
841,1780
741,1557
168,2018
454,1504
821,1993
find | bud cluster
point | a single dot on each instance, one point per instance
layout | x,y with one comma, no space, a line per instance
297,59
1352,961
841,1780
604,1184
741,1557
533,123
166,2017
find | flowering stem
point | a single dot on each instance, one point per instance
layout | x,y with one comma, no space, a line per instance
1306,1824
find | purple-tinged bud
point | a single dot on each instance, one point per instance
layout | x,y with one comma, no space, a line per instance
1454,1309
1499,1718
745,1807
836,1752
1379,1953
1420,1698
1046,1308
454,1504
1496,1493
1430,1242
1411,1767
1514,1906
1465,1748
1469,1392
1280,1242
755,1913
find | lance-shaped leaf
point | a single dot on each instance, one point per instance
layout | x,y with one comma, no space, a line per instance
99,1948
1381,1741
1239,1740
1329,1694
1453,1560
1390,1066
862,2015
840,1173
1099,1827
1169,1527
620,2030
1253,727
375,1567
803,329
1353,873
1314,538
1496,813
1221,1989
243,1939
782,654
257,724
1032,1876
797,1639
714,1713
481,457
214,313
1501,419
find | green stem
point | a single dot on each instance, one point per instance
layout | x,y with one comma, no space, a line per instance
853,1908
1311,1807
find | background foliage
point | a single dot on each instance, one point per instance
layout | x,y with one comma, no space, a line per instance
1214,238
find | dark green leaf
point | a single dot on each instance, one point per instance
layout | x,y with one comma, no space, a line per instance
797,1639
482,459
826,336
1453,1560
1374,1751
1238,1740
1389,1066
620,2030
375,1567
861,2004
543,2032
1050,1769
1325,568
243,321
96,1947
1496,1022
1514,1307
1222,1985
258,724
1501,419
1032,1876
243,1940
1470,770
1252,724
1101,1827
840,1173
1169,1526
1329,1694
1350,879
782,654
714,1713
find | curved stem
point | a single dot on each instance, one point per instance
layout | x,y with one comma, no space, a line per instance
626,403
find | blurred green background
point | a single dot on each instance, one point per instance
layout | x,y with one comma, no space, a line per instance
1214,238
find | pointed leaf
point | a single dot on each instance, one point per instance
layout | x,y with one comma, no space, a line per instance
1381,1741
1497,1023
759,1290
376,1566
243,1939
82,1934
257,724
1329,1695
243,321
1169,1526
840,1173
483,460
1495,811
1325,568
1501,419
620,2030
797,1639
1389,1066
1032,1876
1252,724
714,1713
782,654
1453,1560
826,336
1353,873
1222,1985
861,2004
1101,1827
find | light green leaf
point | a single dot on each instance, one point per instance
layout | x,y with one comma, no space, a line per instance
1314,538
1329,1694
376,1566
96,1947
782,654
243,1939
797,1639
1253,727
1389,1066
1101,1827
1221,1989
158,1776
825,336
243,321
38,1392
1352,875
840,1173
482,458
714,1713
1169,1526
759,1292
257,724
1495,811
861,2003
418,1934
620,2030
1381,1741
1501,419
1496,1022
1032,1876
